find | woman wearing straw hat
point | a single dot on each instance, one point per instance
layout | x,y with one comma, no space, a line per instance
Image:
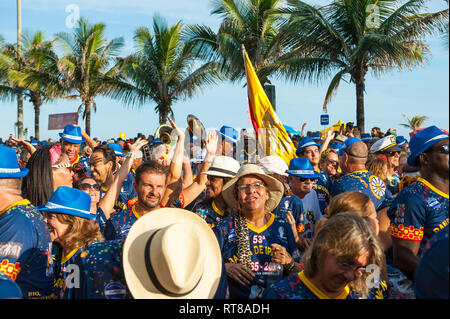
86,267
213,207
254,243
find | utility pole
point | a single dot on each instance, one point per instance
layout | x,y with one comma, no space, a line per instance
19,51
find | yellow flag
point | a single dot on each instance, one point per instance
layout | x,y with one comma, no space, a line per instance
272,136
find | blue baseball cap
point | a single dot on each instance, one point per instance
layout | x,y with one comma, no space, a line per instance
301,167
423,140
365,137
347,143
304,143
118,150
72,134
229,134
69,201
9,166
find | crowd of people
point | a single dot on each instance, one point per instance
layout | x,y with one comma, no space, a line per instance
351,216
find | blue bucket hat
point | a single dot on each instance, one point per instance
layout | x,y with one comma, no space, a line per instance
118,150
423,140
335,146
316,137
301,167
304,143
400,140
72,134
229,134
365,137
347,143
69,201
9,166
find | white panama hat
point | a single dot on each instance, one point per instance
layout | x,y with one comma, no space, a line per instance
172,253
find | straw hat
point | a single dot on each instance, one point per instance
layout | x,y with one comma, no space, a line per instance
171,253
275,188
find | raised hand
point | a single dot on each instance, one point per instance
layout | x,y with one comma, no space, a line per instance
211,143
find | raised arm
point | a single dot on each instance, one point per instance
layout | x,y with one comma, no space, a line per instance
326,142
89,141
176,165
191,192
111,196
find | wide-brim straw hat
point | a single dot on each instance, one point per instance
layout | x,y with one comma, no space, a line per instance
172,253
274,187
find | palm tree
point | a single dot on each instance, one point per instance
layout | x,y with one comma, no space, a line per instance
252,23
21,68
85,66
161,70
414,123
347,38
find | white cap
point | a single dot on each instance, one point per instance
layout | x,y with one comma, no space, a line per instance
385,143
274,164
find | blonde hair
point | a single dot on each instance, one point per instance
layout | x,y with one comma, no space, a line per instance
375,165
353,201
346,236
81,232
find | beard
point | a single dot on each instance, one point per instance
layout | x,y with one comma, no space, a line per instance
149,204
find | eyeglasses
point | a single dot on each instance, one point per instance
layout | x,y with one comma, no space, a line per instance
441,149
86,186
246,188
62,165
350,267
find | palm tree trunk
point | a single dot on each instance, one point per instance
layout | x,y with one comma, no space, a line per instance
360,105
37,112
87,109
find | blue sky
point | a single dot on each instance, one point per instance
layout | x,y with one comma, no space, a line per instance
422,91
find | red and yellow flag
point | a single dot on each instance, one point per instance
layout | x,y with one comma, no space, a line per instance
272,136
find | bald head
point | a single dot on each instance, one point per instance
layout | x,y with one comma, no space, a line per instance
357,153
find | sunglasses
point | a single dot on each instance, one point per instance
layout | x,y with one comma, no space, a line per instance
393,153
441,149
303,179
86,186
62,165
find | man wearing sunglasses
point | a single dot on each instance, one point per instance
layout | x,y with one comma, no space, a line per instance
302,178
421,209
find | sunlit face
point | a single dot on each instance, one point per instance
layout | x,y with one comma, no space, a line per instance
393,158
335,274
312,153
331,164
100,170
70,149
90,186
301,186
63,176
214,185
56,228
438,159
252,193
150,189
